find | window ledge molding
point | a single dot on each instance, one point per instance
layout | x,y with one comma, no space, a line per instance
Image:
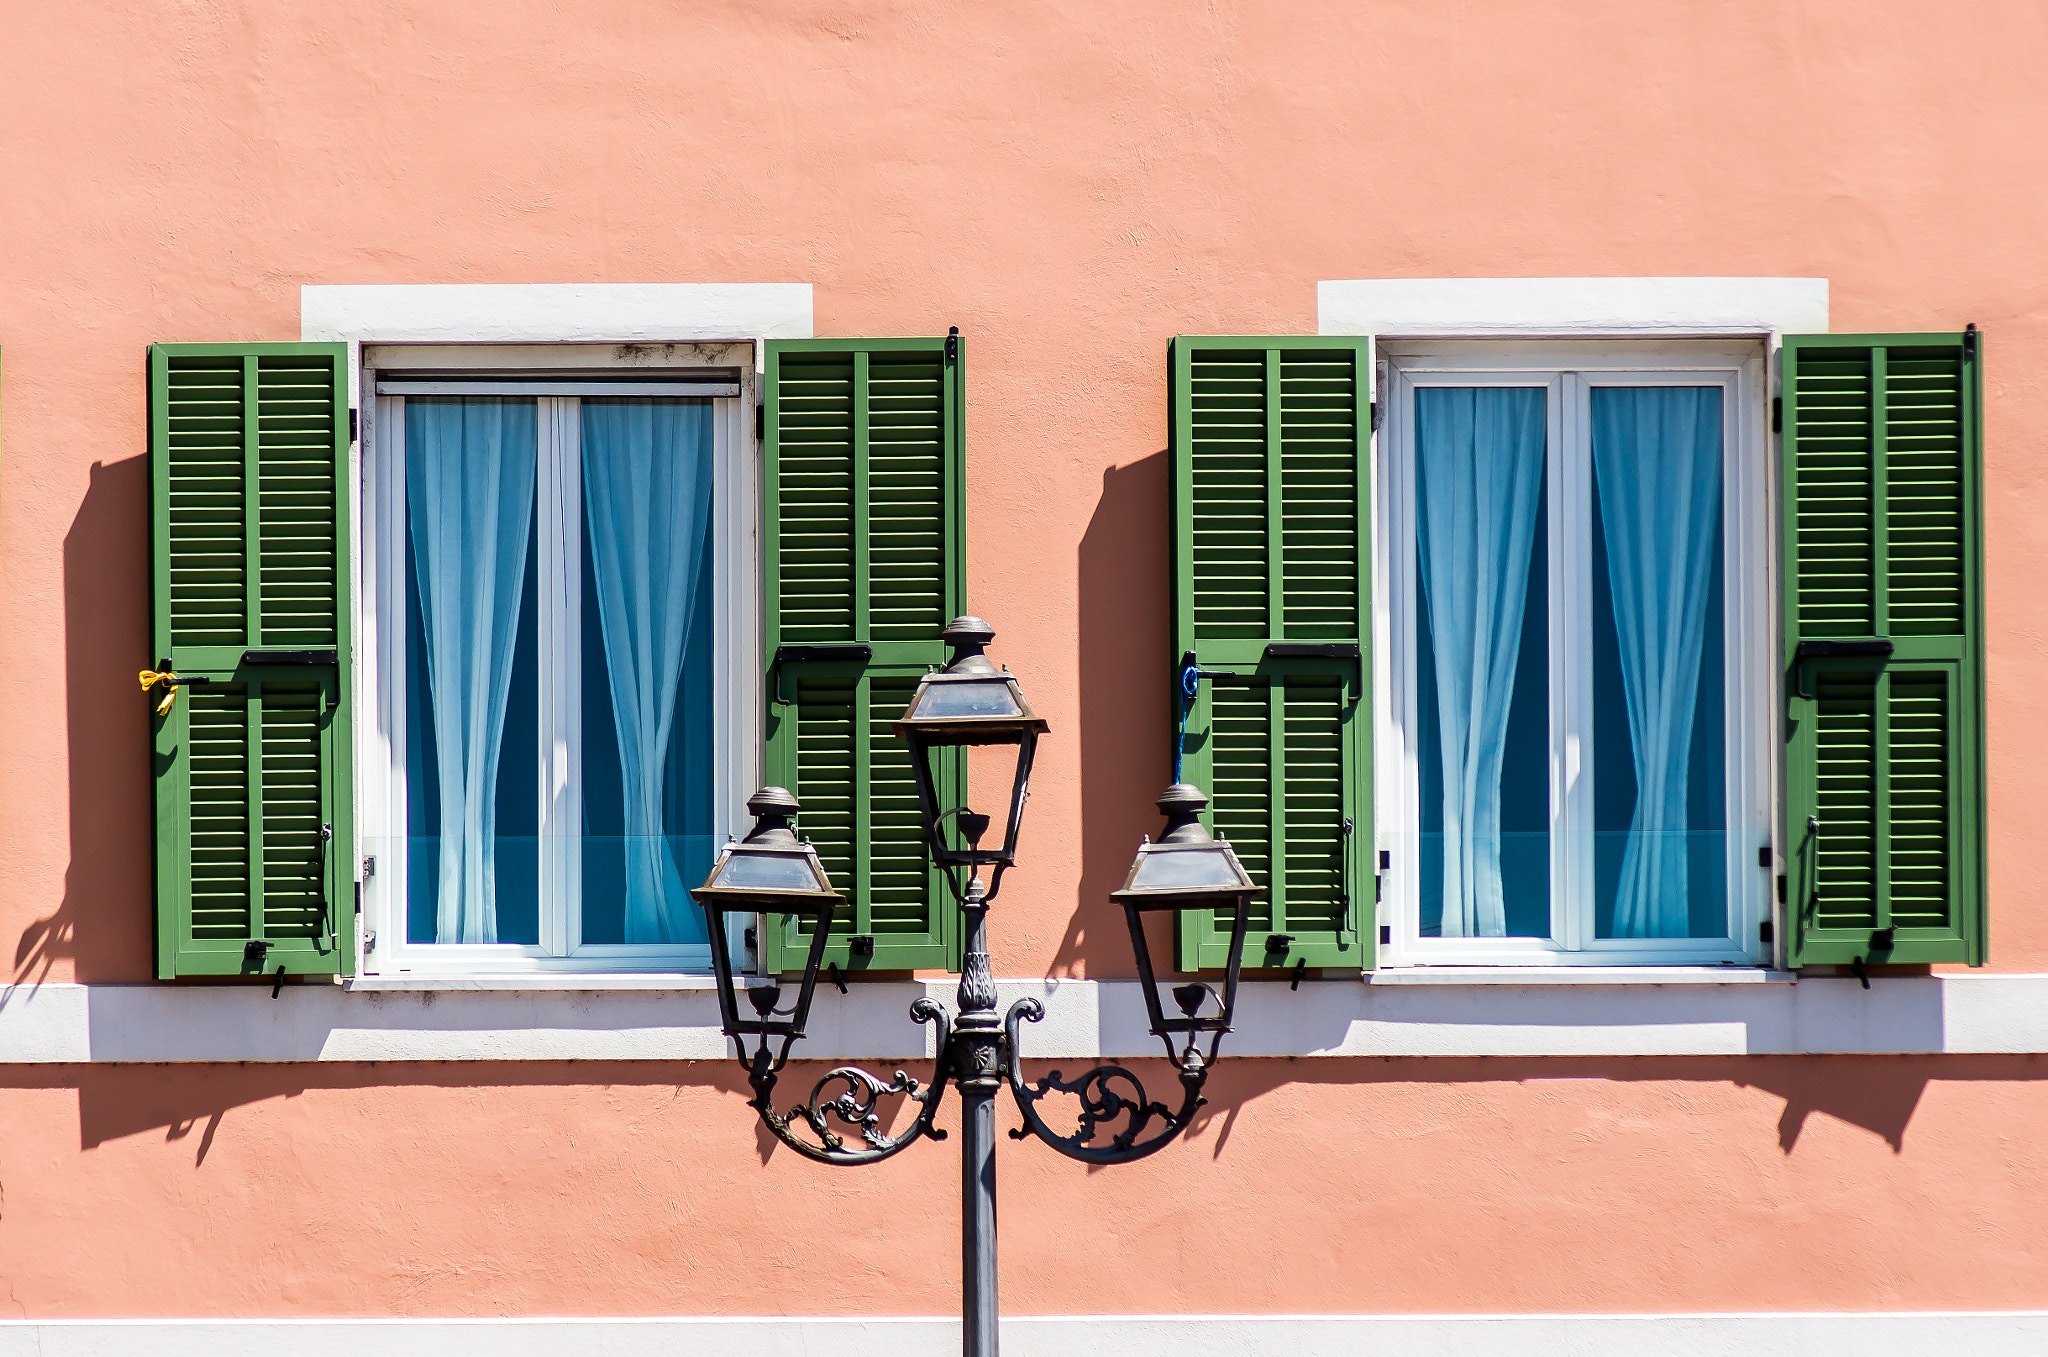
502,983
1580,975
1504,308
1085,1019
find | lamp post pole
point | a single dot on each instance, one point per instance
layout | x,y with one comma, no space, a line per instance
771,873
977,1045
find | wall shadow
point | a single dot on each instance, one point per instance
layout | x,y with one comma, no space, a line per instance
1126,725
1878,1093
118,1101
104,923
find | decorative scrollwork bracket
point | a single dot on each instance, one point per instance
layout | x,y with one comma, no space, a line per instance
1108,1093
854,1104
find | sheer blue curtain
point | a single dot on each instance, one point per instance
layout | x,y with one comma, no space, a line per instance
1479,472
647,474
1657,462
469,484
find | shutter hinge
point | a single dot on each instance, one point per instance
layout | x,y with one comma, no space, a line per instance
1386,934
1777,414
1763,857
1969,341
1373,416
369,866
953,344
1781,888
860,945
1386,860
761,423
354,424
1763,931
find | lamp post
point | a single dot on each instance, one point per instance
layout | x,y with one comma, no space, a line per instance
973,703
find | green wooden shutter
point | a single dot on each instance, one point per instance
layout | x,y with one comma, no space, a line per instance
1882,543
1271,586
249,533
866,563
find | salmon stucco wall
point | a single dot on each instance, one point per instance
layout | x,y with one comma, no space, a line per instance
1671,1184
1071,184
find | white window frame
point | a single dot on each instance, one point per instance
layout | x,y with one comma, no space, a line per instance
1569,368
557,375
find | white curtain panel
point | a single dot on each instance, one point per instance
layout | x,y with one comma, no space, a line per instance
469,483
1479,475
647,473
1657,465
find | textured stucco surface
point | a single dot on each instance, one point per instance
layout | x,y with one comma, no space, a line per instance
1071,184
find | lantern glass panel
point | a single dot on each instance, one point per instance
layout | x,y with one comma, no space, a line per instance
1184,868
992,698
767,872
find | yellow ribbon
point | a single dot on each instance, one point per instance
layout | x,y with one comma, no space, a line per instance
150,678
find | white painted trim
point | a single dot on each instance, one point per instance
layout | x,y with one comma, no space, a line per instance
1085,1019
554,313
562,387
1807,1334
1559,307
1568,372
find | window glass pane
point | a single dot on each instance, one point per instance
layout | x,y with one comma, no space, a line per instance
1658,756
471,663
1482,621
647,658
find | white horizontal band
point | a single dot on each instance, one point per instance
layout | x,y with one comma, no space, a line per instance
559,388
1085,1019
1679,1335
1441,308
554,313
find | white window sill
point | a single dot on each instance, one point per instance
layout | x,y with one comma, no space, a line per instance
514,983
1579,975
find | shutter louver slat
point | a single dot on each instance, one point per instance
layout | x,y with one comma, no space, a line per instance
1314,788
815,498
824,780
900,897
1846,870
1884,764
1241,790
1319,496
865,458
297,492
1268,446
293,906
1228,415
203,400
249,526
219,734
1918,706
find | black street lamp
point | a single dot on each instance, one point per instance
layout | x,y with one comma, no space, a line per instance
971,702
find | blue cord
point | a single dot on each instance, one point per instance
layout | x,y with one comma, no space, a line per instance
1190,679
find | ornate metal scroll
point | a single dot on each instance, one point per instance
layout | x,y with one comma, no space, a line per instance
1108,1093
854,1105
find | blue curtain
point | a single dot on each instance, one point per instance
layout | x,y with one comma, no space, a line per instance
1479,474
1657,461
469,484
647,471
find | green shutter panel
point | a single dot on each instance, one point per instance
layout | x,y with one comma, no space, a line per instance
1271,587
866,563
249,532
1884,648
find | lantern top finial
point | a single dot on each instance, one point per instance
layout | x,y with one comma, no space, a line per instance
1182,805
773,808
967,630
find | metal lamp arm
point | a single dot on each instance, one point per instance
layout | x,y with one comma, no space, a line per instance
853,1105
1100,1101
